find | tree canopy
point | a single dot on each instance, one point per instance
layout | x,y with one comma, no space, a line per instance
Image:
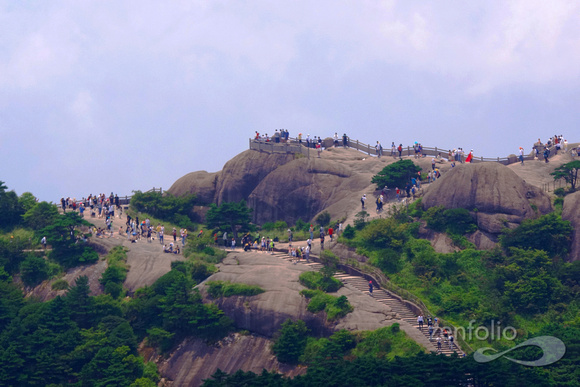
229,216
568,172
396,175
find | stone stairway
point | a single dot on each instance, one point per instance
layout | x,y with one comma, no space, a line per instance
384,297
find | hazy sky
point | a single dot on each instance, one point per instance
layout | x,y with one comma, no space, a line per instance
101,96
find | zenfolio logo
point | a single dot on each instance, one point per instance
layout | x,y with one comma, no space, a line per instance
553,350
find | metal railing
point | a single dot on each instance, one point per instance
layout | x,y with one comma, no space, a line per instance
293,145
404,295
124,200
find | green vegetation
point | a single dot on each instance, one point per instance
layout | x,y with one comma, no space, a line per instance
116,272
323,219
230,216
60,284
419,370
568,172
335,307
455,221
317,281
227,289
525,282
548,233
396,175
166,207
290,341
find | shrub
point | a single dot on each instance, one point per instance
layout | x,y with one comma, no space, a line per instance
291,341
561,192
335,307
33,270
200,271
114,289
549,233
453,221
280,225
317,281
360,220
59,284
349,232
268,226
323,219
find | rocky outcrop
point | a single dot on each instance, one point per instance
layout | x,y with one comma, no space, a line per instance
284,186
264,313
571,212
195,360
242,174
493,193
201,183
301,189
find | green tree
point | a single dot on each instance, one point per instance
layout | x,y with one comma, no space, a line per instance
10,209
62,236
40,215
568,172
396,175
549,233
27,200
291,341
112,367
527,281
229,216
79,302
177,209
33,270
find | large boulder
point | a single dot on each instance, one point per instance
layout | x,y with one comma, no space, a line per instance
242,174
302,188
264,313
201,183
571,212
494,194
195,359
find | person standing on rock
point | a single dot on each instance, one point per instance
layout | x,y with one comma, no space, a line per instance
290,236
311,231
400,149
335,139
521,156
344,141
371,288
339,229
321,241
330,232
225,238
362,200
309,243
393,150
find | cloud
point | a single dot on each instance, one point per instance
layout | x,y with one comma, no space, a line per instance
186,83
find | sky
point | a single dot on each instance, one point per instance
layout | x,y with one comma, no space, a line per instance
117,96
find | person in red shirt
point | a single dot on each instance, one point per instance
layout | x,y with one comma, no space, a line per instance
330,232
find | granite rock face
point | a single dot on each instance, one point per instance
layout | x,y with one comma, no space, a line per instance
495,195
571,212
264,313
280,186
201,183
